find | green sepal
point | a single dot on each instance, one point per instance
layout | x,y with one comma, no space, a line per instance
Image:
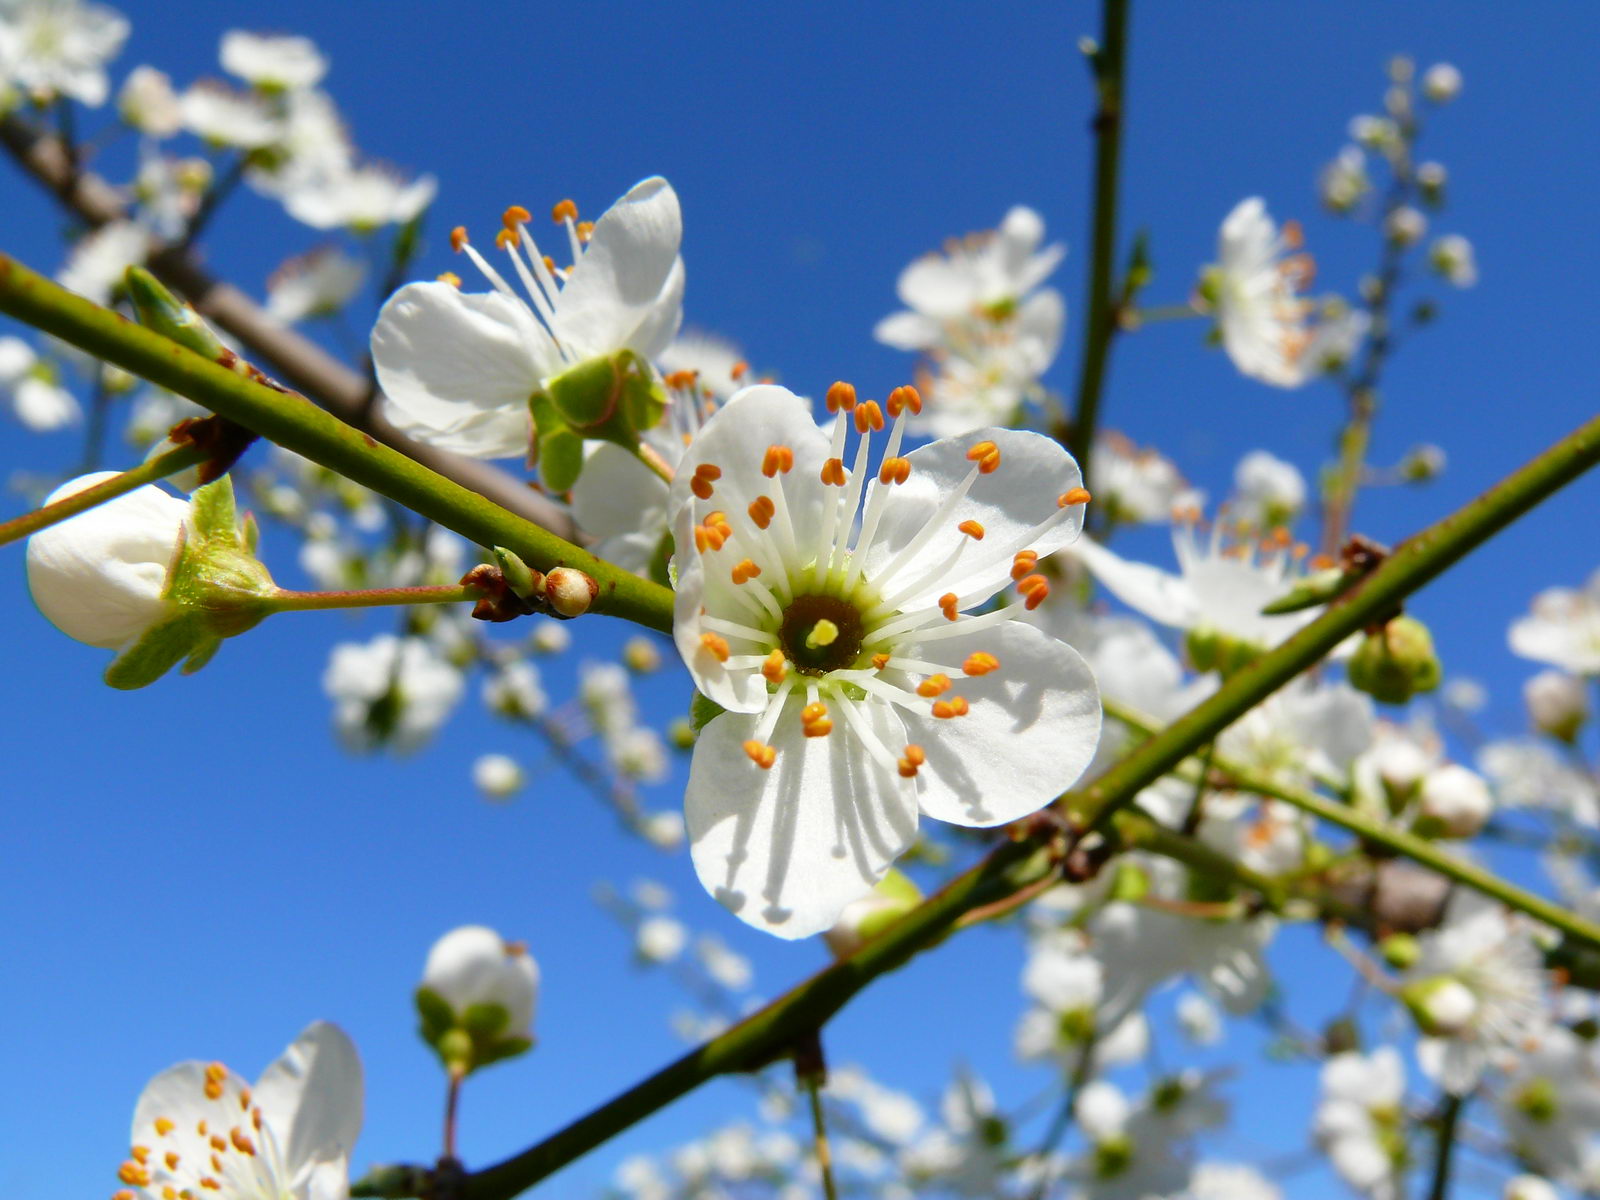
485,1021
703,710
611,398
159,649
504,1048
250,533
435,1014
163,312
212,512
558,448
201,655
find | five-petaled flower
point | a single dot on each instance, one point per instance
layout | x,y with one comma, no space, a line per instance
858,686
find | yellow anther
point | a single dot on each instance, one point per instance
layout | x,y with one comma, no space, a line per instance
1024,562
216,1072
823,633
141,1154
550,264
133,1174
868,416
171,1159
934,685
956,706
164,1126
585,231
880,662
681,380
1036,588
739,370
833,472
1072,496
775,668
123,1195
241,1141
761,511
255,1118
216,1164
776,459
903,398
821,727
564,212
744,570
504,239
704,475
947,605
986,455
841,395
458,238
449,277
210,1184
972,529
218,1142
980,663
514,216
200,1128
213,1090
895,470
761,754
1293,234
168,1192
913,758
716,644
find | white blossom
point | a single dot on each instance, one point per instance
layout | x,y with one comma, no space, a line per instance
1452,258
99,259
361,199
1269,491
275,62
52,48
1360,1121
498,776
1557,702
28,386
1441,83
473,965
1562,629
225,116
660,938
389,690
148,102
317,284
1253,290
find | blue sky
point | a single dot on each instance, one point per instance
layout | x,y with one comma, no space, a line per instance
195,869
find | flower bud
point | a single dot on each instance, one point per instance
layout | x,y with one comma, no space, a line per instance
569,592
1558,704
1400,765
1422,463
1441,1005
641,656
660,939
148,103
477,998
1441,83
1454,802
863,919
1405,226
1400,951
497,776
1530,1187
525,583
1452,259
1395,662
1431,178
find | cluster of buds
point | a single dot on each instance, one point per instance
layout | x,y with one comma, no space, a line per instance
514,589
1395,661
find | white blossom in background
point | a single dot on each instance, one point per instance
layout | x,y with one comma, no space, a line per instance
1405,226
498,776
154,411
1562,628
1336,336
458,367
660,938
473,965
515,690
221,115
1454,801
1530,1187
1558,703
1441,83
550,637
1137,484
718,366
1199,1018
728,967
1360,1121
1344,182
1268,491
361,199
315,284
792,626
200,1130
310,149
1066,984
1534,775
99,260
1229,1181
148,102
51,48
99,576
1452,258
1549,1105
979,314
272,62
1133,1153
389,691
1253,290
28,387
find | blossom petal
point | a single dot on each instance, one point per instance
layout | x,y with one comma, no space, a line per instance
1030,730
313,1096
616,285
1164,598
623,503
1009,503
908,331
938,287
787,849
735,442
662,322
458,368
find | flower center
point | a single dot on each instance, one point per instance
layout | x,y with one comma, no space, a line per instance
820,634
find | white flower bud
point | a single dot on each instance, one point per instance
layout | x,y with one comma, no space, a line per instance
1530,1187
1451,257
1441,83
1405,226
1375,133
664,830
863,919
660,939
148,102
474,965
1199,1019
273,62
1400,764
570,592
99,576
551,637
497,776
1557,702
1457,799
1271,491
1443,1006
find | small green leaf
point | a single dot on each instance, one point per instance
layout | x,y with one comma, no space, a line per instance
161,648
436,1014
212,511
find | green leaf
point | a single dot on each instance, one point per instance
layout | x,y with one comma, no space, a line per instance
212,511
161,648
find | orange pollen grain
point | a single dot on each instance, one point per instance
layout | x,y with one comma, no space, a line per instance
210,1184
563,212
141,1154
704,476
505,239
164,1126
913,758
880,662
813,712
200,1128
244,1099
216,1072
820,728
133,1174
934,685
449,277
1024,562
947,605
761,511
744,570
776,459
682,379
775,668
123,1195
739,370
213,1090
1072,496
1036,588
458,238
761,754
241,1142
869,416
841,395
903,398
585,231
716,644
986,455
980,663
895,470
218,1142
514,216
833,472
972,529
172,1160
956,706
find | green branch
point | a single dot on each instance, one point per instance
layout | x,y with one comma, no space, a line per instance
295,423
1109,61
1408,845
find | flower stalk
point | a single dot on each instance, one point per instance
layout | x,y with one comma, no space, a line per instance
451,593
160,467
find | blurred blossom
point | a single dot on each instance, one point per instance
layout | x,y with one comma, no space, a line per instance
51,48
1452,258
361,199
1405,226
1343,183
272,62
389,691
29,387
315,284
224,116
514,690
1441,83
1269,491
1253,290
99,259
149,103
498,776
1558,703
660,939
1562,628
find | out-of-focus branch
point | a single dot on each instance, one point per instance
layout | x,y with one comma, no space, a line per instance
295,359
